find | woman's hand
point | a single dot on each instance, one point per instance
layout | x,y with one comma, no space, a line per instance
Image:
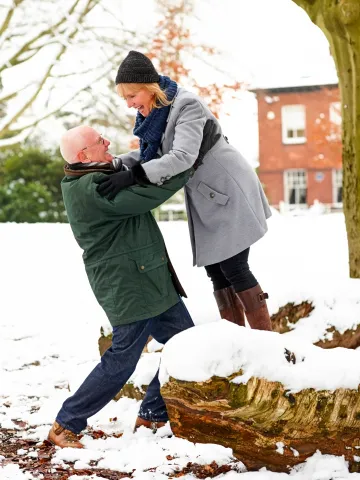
111,185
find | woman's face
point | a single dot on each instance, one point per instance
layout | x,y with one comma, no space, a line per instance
140,100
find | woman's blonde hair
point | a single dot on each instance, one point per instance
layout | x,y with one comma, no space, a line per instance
159,96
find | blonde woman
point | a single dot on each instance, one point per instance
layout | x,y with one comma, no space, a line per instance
226,206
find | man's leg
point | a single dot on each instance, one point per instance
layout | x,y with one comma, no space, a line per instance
163,327
108,377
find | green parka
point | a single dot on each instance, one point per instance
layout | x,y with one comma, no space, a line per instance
124,251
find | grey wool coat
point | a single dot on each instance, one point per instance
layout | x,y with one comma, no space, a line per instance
226,206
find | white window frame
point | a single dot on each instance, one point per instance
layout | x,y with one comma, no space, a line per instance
335,113
295,178
337,182
293,117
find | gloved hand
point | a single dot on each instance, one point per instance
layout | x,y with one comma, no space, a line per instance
210,138
111,185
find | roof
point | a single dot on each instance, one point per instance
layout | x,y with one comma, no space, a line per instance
310,82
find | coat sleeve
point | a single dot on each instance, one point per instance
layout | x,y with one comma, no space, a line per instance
130,158
138,199
188,135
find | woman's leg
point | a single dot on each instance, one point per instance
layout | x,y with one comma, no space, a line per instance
236,270
229,305
217,277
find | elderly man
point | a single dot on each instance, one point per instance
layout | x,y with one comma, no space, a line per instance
127,266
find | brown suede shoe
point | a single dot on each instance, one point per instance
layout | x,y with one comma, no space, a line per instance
63,438
140,422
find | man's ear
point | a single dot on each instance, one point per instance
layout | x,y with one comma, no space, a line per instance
82,158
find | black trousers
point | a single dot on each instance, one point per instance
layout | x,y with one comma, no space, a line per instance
233,271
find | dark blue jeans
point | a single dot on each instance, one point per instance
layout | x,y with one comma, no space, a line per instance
118,364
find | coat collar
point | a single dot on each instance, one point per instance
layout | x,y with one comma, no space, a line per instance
173,102
80,169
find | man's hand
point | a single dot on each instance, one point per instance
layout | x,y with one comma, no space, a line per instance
210,138
111,185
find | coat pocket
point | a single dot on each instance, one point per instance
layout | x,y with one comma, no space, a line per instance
211,194
154,276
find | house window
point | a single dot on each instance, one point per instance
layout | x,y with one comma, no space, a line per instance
293,124
335,113
337,186
295,183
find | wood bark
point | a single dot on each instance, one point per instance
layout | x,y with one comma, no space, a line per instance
288,315
340,22
256,418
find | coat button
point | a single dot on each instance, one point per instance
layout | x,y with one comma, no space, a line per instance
162,258
212,195
142,267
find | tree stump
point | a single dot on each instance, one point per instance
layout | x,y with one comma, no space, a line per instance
263,423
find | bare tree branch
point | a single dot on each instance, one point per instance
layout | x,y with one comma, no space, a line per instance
7,122
14,60
70,99
9,15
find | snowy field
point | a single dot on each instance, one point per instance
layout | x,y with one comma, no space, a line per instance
50,323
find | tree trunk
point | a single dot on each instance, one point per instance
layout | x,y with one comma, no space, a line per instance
340,22
264,424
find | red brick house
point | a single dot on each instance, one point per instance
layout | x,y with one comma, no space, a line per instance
300,145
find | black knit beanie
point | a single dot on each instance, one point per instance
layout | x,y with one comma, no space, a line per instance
136,68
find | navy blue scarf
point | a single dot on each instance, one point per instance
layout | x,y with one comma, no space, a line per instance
150,129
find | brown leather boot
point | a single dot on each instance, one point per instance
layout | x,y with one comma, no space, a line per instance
257,314
140,422
230,306
63,438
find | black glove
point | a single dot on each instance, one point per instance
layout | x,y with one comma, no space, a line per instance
111,185
210,138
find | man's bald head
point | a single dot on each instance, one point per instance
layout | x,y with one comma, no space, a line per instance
84,144
75,140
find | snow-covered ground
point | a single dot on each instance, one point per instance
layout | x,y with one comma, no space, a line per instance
50,323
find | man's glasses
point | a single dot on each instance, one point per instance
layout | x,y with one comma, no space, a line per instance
100,141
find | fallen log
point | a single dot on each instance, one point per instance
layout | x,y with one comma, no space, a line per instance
262,420
287,316
263,423
282,321
290,314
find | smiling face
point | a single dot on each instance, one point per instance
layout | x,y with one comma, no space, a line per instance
137,97
96,149
84,144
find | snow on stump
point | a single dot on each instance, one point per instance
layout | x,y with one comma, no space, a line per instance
147,367
235,387
288,316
